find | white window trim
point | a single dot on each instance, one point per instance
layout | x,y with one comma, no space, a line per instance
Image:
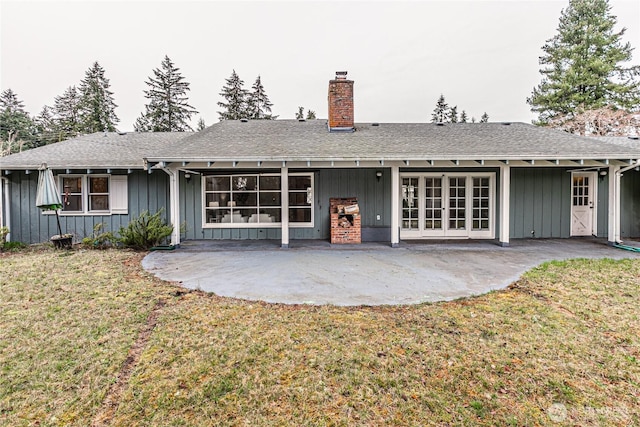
311,205
85,197
469,232
226,225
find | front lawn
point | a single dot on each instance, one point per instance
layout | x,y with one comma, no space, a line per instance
560,347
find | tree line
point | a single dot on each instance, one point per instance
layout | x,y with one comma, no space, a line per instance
585,89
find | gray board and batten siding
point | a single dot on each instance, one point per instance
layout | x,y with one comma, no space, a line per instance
630,200
540,203
146,191
374,198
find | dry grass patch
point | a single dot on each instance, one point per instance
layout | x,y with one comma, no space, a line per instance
68,319
561,345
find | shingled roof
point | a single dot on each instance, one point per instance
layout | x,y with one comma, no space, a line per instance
98,150
294,140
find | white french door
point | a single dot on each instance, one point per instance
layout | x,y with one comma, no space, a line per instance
448,205
583,204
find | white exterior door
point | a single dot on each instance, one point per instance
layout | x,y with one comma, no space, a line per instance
447,205
583,204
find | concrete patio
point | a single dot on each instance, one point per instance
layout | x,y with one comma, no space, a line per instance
316,272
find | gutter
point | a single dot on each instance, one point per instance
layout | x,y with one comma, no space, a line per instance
5,208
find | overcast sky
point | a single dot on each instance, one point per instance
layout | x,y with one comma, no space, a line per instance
482,55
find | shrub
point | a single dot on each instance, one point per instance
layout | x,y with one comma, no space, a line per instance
99,239
146,231
12,246
3,236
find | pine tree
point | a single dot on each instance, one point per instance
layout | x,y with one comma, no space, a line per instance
300,113
16,126
441,112
258,104
484,118
235,95
311,115
142,124
96,107
45,127
463,117
582,66
201,125
453,114
168,109
66,114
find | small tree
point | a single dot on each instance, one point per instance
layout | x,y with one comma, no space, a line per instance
300,113
453,114
66,112
201,125
16,126
168,109
311,115
235,96
258,104
484,118
96,107
441,112
463,117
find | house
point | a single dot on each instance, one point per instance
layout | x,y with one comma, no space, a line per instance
276,179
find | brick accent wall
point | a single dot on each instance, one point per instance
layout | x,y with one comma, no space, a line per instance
340,102
339,233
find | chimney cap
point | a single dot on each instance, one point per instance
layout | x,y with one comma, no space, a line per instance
341,75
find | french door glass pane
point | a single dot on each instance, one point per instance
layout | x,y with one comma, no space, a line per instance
433,203
480,203
410,198
457,195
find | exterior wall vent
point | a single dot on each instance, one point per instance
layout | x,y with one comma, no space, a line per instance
439,124
302,120
375,124
244,120
506,123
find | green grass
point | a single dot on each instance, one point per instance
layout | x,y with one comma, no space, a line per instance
560,344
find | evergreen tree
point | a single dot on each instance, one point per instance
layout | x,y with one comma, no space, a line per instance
45,127
66,112
17,130
300,113
311,115
201,125
463,117
582,66
235,95
453,114
142,124
258,104
96,106
168,109
484,118
441,112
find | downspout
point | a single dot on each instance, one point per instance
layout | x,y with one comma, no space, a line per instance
5,209
174,204
616,235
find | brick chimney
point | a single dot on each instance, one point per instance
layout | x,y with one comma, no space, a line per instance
341,103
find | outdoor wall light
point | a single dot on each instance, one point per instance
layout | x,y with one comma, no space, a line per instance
603,173
378,175
187,176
